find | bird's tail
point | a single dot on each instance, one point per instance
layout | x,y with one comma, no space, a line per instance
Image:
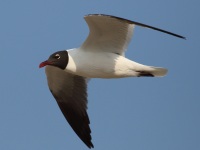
149,71
155,72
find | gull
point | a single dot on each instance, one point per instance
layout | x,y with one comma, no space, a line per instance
100,56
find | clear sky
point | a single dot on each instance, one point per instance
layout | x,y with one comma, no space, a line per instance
129,114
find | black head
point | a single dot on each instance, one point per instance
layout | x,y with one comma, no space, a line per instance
58,59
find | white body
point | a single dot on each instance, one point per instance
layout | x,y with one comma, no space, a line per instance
101,64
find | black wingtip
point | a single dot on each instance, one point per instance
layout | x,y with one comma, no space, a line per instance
90,145
184,38
158,29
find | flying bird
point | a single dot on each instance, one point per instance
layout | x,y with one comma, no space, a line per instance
100,56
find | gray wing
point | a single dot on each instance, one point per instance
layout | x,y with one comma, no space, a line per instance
70,92
112,34
107,34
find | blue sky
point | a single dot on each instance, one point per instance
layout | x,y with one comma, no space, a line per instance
132,113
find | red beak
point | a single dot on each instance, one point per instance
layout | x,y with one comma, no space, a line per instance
44,63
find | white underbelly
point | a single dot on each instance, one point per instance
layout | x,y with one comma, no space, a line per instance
99,65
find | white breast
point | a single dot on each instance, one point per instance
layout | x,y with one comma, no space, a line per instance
98,64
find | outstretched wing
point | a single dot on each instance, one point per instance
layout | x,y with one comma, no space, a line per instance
112,34
70,92
108,34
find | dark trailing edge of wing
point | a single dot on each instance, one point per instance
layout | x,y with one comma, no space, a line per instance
79,123
140,24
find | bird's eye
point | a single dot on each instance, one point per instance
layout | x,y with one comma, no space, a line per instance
57,56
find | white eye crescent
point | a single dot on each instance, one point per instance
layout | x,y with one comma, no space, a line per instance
57,56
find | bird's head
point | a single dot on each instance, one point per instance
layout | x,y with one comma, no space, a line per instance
58,59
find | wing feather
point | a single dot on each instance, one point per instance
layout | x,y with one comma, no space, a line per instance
112,34
107,34
70,92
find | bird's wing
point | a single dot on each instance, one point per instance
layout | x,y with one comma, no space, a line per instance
107,33
112,34
70,92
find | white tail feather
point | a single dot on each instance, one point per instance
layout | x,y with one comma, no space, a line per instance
149,70
158,72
